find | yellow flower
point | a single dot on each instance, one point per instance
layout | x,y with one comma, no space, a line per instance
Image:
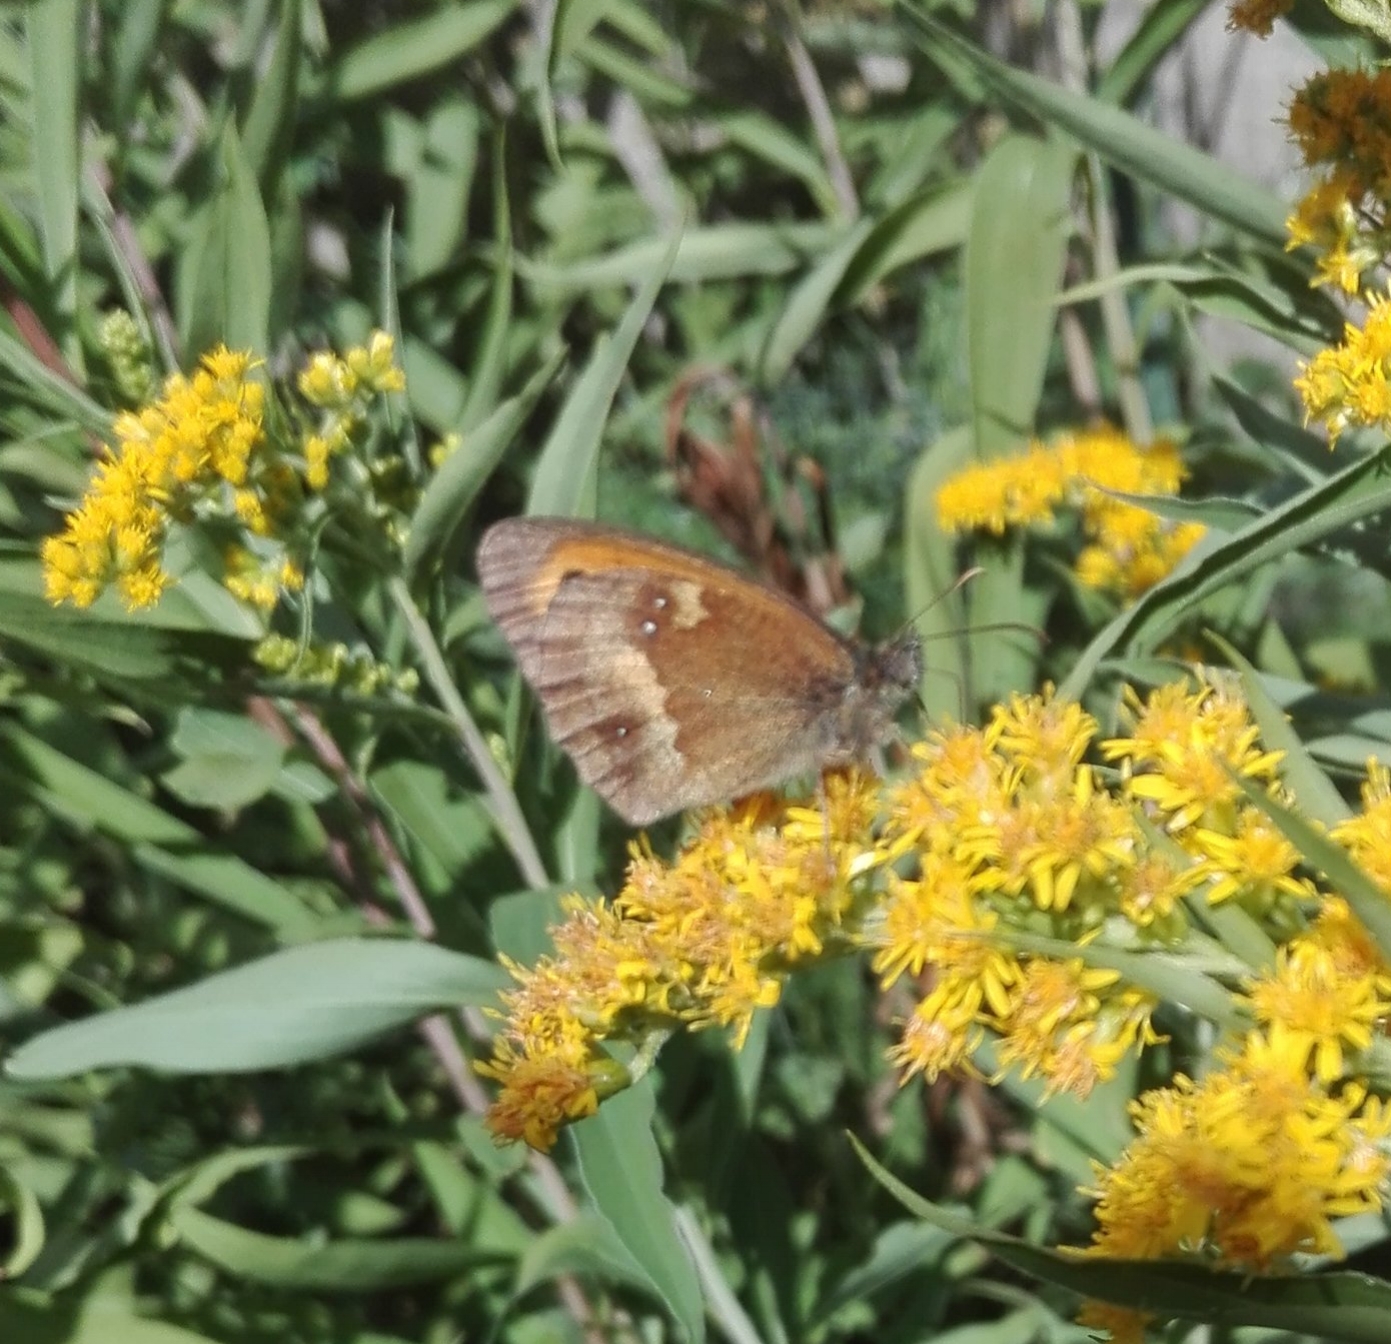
327,381
542,1092
1343,118
1119,1325
199,452
1348,384
1247,1167
961,779
1010,492
1181,748
1042,736
1367,836
1312,1010
344,384
373,365
1342,937
1133,548
703,940
1327,219
936,919
316,455
939,1036
1049,997
1151,890
171,455
1252,860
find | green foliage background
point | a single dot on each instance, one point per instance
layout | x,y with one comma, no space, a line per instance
558,215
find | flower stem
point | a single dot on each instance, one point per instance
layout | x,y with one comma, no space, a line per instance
501,801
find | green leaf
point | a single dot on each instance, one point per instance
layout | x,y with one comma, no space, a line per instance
86,800
270,123
1355,1308
806,306
716,252
441,184
446,827
1121,139
900,1251
1315,513
48,386
449,497
137,31
1373,15
622,1172
1161,28
522,922
1021,219
770,142
564,484
497,336
55,52
196,606
226,290
295,1005
1316,794
1303,452
91,1319
404,51
933,220
1020,223
229,760
348,1265
23,1223
1343,1306
1282,306
196,1185
929,570
1325,856
88,641
584,1246
648,82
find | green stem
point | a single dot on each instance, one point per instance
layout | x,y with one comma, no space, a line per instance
502,802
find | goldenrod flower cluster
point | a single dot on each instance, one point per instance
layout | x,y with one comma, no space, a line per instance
999,880
703,940
1350,384
197,444
1129,548
333,663
1251,1164
127,357
1257,16
344,389
200,453
1341,120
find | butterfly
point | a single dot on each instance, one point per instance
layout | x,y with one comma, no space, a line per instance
674,681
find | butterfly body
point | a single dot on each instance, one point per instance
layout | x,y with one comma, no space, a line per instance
674,681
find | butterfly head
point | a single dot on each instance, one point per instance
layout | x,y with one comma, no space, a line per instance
886,677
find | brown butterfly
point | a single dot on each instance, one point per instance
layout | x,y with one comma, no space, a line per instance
674,681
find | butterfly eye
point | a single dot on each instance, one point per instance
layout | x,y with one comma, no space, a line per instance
649,627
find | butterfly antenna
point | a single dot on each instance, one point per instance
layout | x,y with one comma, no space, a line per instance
960,582
1019,627
991,627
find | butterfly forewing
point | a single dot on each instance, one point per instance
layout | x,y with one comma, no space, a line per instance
671,680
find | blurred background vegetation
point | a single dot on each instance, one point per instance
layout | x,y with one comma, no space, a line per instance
830,237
